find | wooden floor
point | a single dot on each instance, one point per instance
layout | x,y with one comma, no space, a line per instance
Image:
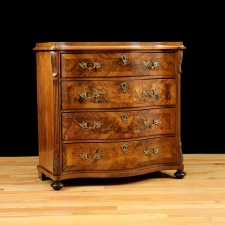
156,198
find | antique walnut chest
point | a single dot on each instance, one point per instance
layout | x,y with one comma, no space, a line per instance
108,109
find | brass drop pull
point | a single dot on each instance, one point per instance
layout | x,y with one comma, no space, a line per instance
152,64
151,152
124,58
84,65
124,86
94,156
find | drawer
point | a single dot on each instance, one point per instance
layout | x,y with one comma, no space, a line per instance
118,155
117,94
117,64
118,124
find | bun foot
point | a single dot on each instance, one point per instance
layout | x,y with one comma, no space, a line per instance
57,185
179,174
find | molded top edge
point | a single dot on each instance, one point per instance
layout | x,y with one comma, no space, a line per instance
107,45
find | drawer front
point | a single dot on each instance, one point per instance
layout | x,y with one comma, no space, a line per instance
118,155
117,64
117,94
118,124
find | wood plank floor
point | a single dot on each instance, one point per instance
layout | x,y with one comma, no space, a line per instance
156,198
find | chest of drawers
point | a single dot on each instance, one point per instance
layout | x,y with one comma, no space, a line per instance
108,109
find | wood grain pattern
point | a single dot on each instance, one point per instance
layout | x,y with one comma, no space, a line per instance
114,158
113,66
46,111
106,46
109,93
154,198
110,125
102,93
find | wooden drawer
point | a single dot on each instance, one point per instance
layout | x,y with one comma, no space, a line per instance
113,64
118,155
118,124
118,93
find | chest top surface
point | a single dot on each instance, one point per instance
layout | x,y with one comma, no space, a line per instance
108,45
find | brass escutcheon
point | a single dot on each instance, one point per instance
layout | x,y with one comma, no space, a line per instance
124,117
124,58
124,148
124,86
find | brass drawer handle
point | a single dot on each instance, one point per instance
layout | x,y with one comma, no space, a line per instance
151,152
152,64
96,125
84,65
154,93
154,122
84,94
94,156
124,58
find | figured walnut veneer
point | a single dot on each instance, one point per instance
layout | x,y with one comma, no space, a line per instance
108,109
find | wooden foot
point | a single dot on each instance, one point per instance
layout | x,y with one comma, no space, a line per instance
57,185
179,174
